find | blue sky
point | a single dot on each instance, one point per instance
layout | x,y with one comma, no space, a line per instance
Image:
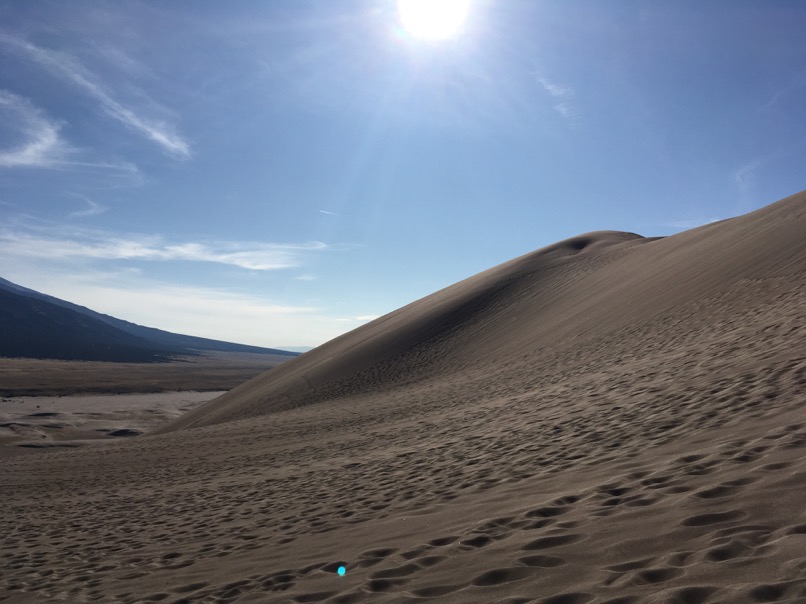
280,172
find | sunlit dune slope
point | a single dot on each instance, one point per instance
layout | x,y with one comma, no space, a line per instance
581,292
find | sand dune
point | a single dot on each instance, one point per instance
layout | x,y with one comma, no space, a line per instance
610,419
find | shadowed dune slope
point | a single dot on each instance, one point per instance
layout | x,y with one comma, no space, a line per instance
582,290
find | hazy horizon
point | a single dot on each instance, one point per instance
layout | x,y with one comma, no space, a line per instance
282,173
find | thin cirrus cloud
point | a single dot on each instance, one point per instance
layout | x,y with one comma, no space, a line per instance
68,68
563,97
98,245
42,145
93,208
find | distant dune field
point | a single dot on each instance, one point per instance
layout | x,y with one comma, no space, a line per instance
210,370
611,419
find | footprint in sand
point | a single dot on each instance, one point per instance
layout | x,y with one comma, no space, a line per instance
568,598
715,518
384,585
499,576
553,541
393,573
725,489
436,591
542,561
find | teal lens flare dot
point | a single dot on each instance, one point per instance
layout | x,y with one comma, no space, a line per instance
341,571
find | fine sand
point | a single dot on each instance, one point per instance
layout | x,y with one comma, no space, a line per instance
611,419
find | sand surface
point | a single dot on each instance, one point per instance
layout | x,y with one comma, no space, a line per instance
39,422
210,370
608,420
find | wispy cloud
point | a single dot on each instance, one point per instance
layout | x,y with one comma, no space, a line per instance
328,213
84,244
563,97
42,145
93,208
70,69
796,82
744,177
367,317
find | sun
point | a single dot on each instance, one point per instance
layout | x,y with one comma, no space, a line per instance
433,19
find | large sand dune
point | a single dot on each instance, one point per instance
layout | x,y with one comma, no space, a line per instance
610,419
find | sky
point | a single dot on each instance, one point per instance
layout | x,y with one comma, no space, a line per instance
280,172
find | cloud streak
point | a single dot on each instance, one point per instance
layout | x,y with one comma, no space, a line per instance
744,177
81,244
41,143
42,146
68,68
93,208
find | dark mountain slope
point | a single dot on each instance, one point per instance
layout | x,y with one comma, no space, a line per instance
156,337
35,328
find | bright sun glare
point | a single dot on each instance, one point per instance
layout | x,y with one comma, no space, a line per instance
433,19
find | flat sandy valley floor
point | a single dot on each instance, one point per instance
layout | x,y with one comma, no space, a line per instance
609,420
41,422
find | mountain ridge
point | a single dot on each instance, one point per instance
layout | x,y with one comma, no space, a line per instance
104,337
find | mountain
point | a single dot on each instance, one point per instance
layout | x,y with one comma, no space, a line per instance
38,329
41,326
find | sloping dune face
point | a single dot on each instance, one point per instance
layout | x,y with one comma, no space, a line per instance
610,419
583,290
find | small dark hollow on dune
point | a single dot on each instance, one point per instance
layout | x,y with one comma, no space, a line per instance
542,561
657,575
315,597
126,432
501,575
716,518
436,591
479,541
380,585
333,567
440,541
400,571
691,595
572,598
546,512
547,542
768,593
